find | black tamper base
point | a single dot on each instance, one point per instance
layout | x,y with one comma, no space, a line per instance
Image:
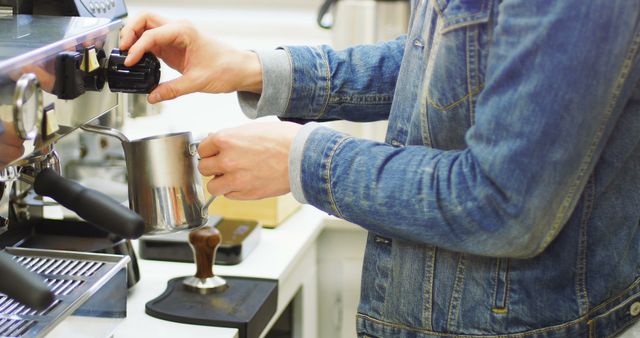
247,305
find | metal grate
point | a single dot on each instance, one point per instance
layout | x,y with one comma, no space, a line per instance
60,267
15,327
63,276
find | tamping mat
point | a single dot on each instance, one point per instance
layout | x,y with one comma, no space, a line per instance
247,304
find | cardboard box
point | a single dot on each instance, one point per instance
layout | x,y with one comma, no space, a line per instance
269,211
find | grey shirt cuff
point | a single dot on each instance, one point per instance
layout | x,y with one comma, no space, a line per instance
295,160
276,86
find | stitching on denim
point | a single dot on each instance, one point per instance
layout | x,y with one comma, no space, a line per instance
335,149
495,285
581,264
362,99
428,294
500,303
327,86
457,335
448,29
456,295
574,322
508,286
445,108
437,7
468,56
584,165
290,57
434,42
592,328
462,20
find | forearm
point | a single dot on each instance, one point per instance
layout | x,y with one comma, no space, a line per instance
318,83
541,124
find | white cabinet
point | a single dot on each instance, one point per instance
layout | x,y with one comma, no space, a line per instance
340,252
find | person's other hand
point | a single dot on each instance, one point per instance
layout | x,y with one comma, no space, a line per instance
11,146
250,161
206,65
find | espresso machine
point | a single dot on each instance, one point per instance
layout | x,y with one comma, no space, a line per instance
57,74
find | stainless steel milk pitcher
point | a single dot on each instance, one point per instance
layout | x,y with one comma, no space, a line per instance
165,187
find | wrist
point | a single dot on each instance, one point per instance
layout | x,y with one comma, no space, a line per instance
250,79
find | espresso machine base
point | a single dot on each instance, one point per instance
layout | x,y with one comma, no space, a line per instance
85,285
247,304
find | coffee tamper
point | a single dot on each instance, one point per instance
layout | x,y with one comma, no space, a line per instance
204,242
247,304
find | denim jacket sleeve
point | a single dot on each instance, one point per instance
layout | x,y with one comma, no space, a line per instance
354,84
556,79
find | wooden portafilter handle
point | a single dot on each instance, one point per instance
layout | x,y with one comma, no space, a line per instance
204,242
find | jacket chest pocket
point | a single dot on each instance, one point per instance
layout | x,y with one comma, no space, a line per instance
456,67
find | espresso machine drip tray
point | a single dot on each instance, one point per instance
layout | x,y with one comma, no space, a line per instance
85,285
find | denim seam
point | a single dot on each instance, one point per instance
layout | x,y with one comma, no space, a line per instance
495,286
581,264
327,86
508,285
457,335
500,306
472,68
468,56
447,29
437,7
456,103
479,17
581,319
290,57
332,200
565,205
362,99
456,295
440,10
427,306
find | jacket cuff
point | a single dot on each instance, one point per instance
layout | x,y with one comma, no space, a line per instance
320,146
276,86
295,161
310,73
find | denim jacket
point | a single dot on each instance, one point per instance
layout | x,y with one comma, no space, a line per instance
506,198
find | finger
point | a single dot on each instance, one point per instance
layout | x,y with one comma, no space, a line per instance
134,29
151,41
10,136
171,89
220,185
210,166
10,153
209,146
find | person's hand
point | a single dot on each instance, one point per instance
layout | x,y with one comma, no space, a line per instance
206,65
11,146
250,161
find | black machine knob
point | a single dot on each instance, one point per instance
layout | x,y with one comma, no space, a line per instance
140,78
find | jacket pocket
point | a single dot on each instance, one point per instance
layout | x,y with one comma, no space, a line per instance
455,65
455,68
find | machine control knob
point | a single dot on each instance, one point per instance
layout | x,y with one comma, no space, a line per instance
140,78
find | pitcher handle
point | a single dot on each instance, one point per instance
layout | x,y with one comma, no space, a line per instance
193,151
205,208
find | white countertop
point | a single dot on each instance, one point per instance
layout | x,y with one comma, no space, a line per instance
281,255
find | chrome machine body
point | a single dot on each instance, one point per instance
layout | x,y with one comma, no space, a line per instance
57,73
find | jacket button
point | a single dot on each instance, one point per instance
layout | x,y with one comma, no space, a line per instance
635,309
